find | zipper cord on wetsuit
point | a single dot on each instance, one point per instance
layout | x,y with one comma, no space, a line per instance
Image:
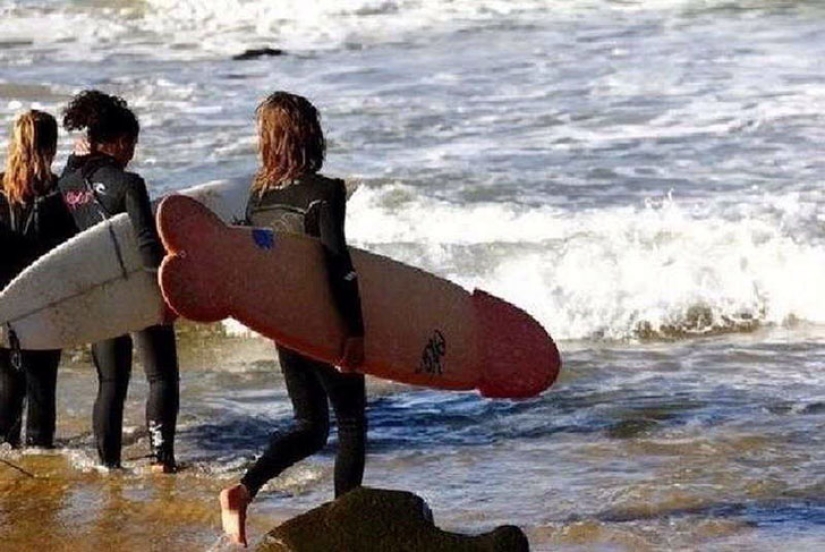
105,216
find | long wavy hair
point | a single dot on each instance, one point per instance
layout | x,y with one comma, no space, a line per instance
290,140
32,149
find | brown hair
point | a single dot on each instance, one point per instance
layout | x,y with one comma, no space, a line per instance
31,151
290,140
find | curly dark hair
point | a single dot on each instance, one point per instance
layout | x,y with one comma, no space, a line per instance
105,117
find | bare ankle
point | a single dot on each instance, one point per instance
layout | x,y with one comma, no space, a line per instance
234,501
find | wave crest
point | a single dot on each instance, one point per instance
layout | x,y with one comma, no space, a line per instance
661,270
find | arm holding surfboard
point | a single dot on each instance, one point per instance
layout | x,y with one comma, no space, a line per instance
342,275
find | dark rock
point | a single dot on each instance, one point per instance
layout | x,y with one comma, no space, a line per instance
376,520
259,53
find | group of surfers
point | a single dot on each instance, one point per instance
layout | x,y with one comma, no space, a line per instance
40,210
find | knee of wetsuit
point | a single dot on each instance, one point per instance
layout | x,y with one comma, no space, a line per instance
316,431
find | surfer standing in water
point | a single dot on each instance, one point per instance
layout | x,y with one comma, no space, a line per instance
96,186
289,195
33,220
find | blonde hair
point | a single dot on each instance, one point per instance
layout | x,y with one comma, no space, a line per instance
31,151
290,140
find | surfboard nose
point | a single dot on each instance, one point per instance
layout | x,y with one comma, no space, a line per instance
179,217
189,232
519,358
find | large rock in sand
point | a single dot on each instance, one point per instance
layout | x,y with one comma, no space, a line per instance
376,520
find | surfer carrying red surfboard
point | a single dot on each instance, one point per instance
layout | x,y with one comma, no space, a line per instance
288,194
95,187
33,220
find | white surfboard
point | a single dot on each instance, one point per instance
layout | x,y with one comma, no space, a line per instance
94,287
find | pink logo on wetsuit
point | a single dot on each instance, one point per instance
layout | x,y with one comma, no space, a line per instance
76,199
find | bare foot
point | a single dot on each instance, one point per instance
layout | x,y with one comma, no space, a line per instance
234,501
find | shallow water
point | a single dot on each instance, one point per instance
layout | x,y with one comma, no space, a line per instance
636,448
644,177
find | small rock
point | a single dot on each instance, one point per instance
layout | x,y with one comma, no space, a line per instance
256,53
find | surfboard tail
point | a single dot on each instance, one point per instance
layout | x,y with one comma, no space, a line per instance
518,357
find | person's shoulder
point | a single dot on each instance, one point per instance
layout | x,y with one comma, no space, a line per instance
132,179
329,180
133,176
332,186
105,168
73,163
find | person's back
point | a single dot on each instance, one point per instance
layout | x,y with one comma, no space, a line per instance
95,188
33,220
42,220
295,207
315,205
16,252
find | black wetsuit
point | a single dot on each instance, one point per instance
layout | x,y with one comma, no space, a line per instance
95,188
27,231
316,206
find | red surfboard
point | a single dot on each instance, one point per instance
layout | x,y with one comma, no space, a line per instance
419,328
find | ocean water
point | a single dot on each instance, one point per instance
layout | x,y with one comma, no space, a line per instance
643,176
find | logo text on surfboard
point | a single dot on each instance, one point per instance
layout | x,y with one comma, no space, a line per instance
434,351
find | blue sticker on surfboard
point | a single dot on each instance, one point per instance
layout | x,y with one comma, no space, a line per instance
264,239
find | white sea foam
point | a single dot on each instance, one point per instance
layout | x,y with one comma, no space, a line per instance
660,269
228,25
187,28
81,34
